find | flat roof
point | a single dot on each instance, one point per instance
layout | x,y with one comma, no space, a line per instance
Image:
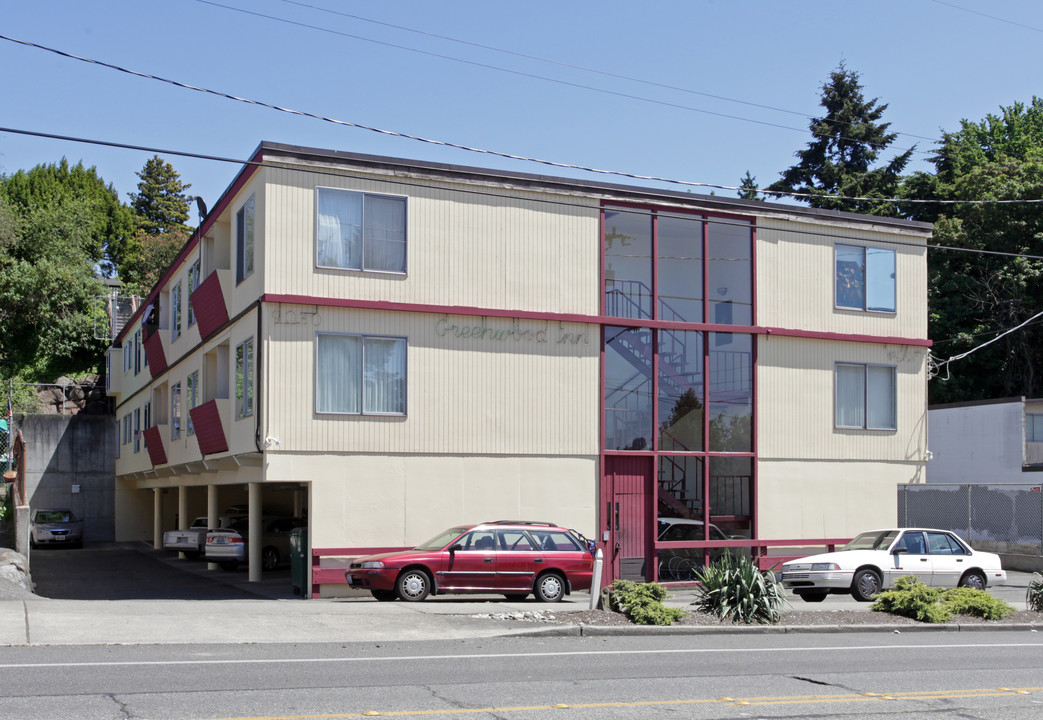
634,193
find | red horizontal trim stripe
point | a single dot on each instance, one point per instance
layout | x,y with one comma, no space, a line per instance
579,318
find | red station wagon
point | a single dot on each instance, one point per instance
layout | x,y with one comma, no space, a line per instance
512,558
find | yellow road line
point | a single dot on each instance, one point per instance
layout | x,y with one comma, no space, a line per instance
780,700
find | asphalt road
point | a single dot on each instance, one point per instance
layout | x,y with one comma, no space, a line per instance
973,675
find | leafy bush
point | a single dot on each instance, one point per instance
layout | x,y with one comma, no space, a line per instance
734,588
643,603
1034,595
911,598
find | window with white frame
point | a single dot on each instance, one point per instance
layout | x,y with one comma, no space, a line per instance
137,429
360,231
175,411
128,354
864,278
126,429
175,311
866,397
192,392
193,285
1033,427
244,241
244,379
360,374
146,421
137,352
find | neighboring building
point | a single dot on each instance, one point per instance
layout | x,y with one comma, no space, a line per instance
392,346
987,442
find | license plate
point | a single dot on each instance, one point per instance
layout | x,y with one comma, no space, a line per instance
221,541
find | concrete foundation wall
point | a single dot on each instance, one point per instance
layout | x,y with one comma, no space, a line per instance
70,463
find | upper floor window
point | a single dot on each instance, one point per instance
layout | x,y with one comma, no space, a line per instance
360,231
360,374
244,241
1033,428
244,379
175,311
865,278
137,429
866,396
137,352
655,263
193,285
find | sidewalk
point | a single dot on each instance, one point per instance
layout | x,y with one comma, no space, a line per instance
268,612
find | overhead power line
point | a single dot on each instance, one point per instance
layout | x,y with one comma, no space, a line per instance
559,63
520,73
496,153
472,191
936,366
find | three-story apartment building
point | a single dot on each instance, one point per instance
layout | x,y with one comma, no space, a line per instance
390,347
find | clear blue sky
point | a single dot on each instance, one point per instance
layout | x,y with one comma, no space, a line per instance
933,62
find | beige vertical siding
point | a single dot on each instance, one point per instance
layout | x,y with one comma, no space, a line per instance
362,500
534,393
490,249
795,280
795,405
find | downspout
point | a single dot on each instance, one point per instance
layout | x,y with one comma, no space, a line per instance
258,364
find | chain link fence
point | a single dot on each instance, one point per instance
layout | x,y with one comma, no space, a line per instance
1005,519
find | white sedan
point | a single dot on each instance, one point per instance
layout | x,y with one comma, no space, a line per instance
874,560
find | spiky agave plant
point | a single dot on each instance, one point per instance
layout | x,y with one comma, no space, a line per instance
734,588
1034,595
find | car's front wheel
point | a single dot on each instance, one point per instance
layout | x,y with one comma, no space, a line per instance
413,585
865,585
973,579
550,587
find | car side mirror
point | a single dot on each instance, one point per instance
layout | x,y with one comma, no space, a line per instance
899,551
456,547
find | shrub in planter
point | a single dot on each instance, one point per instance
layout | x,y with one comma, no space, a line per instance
1034,595
911,598
734,588
643,603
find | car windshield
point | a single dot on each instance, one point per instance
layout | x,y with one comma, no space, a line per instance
55,516
878,540
442,539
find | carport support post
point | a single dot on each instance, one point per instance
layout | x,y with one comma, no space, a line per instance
255,540
211,515
182,512
157,518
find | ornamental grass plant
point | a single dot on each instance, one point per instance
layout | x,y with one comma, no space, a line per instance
1034,595
734,588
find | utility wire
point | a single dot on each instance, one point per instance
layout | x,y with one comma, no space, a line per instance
990,17
534,76
470,191
571,66
936,367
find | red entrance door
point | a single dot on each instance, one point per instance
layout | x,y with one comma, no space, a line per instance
628,517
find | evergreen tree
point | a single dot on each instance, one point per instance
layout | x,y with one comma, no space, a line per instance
748,188
847,141
160,203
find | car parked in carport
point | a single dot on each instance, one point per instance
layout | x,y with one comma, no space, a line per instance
228,546
873,561
511,558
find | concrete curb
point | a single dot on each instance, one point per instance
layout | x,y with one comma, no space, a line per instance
660,630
